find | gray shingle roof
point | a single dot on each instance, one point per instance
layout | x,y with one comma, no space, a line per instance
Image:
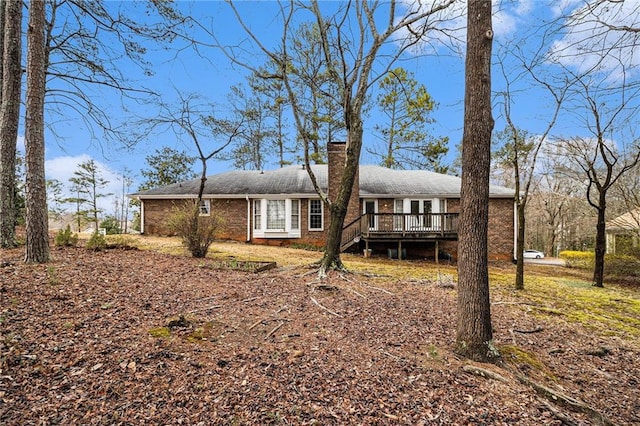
375,181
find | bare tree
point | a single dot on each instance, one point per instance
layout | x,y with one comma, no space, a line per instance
519,150
350,42
193,121
474,334
597,157
89,45
9,116
37,229
556,207
84,44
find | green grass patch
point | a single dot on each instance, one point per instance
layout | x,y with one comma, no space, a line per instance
607,311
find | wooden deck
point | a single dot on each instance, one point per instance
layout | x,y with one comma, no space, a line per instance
398,227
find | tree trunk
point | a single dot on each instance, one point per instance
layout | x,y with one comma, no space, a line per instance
340,202
601,248
37,248
474,334
520,246
9,119
2,22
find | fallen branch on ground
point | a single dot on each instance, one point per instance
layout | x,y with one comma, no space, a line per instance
276,328
377,288
535,330
326,309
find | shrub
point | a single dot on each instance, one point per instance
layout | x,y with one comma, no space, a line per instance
121,241
65,237
135,225
97,242
197,232
578,259
621,266
111,225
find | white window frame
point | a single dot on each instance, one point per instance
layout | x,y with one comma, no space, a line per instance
295,214
278,207
321,214
260,216
257,214
204,208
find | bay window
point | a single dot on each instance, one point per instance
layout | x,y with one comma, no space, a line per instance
279,218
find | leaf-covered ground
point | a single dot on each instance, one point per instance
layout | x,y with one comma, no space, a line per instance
143,337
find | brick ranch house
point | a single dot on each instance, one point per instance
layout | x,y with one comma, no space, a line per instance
405,213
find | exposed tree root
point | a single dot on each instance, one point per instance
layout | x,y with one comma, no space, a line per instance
567,401
566,420
483,372
552,396
323,307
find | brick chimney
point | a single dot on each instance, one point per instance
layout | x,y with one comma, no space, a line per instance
337,157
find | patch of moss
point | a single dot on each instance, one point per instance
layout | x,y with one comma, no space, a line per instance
163,332
197,335
523,360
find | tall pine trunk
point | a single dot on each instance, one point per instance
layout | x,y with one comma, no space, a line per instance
474,334
9,118
37,248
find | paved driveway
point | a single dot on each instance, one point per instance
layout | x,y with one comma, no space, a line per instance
552,261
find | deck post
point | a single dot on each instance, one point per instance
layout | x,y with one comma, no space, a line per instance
399,249
437,252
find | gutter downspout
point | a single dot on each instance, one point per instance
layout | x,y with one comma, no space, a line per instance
141,216
248,219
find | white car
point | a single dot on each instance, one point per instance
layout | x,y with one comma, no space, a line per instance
532,254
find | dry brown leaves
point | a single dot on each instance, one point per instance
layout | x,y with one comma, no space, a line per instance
82,343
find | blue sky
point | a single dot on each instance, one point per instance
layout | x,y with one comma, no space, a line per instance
209,74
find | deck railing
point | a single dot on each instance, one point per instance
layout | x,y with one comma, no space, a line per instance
400,225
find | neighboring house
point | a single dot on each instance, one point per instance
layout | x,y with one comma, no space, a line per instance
391,211
623,232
